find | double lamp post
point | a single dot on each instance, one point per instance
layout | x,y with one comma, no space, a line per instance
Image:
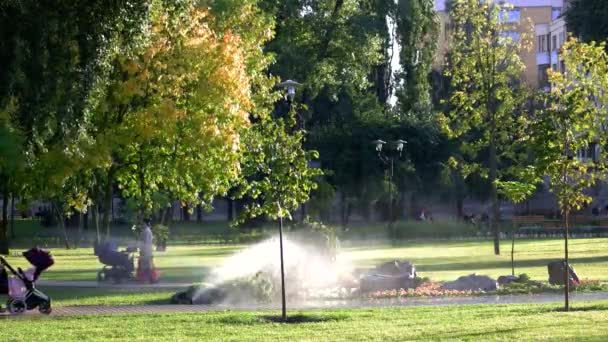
388,158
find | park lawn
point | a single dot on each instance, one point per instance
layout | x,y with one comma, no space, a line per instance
438,260
447,260
62,296
588,321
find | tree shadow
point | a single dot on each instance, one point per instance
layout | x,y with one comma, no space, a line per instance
302,318
579,309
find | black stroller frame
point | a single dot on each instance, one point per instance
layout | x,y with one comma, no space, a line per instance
33,299
118,265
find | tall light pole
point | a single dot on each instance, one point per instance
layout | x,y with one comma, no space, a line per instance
290,88
389,160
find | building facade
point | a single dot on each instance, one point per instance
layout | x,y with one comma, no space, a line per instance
543,19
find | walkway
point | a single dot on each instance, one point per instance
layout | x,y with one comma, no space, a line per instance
333,304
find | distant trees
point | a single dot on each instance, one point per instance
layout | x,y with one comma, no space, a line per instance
587,20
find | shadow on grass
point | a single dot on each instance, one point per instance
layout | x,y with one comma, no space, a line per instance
580,309
303,318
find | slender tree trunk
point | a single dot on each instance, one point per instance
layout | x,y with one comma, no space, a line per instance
95,219
4,224
513,252
283,300
107,202
80,224
12,216
495,214
199,213
85,221
142,183
62,227
230,209
566,265
343,204
168,216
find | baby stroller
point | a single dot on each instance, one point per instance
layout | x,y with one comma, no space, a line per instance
118,265
21,290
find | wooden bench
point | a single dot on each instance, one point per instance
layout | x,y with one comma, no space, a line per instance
529,225
539,226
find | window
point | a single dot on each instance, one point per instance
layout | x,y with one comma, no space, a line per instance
514,35
562,38
554,67
510,16
554,43
589,153
556,12
543,43
543,79
562,66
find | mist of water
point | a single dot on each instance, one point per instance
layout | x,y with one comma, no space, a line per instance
307,269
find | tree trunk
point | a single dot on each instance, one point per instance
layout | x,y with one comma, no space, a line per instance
85,221
4,224
107,202
513,252
95,219
495,213
199,213
230,209
80,224
12,216
343,205
566,265
186,211
62,227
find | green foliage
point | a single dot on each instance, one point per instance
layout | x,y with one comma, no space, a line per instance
417,28
487,113
572,120
276,170
487,101
587,20
437,230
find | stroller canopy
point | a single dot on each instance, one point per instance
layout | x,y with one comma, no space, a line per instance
40,259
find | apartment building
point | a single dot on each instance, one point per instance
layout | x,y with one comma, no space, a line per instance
547,26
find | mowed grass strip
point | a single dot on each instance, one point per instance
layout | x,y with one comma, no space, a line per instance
438,260
588,321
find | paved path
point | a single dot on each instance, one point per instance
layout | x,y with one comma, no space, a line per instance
439,301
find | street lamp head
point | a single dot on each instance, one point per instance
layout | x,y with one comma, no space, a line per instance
399,145
378,143
290,87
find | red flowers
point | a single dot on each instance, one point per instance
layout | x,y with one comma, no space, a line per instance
428,289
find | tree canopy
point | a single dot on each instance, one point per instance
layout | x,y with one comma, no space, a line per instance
587,20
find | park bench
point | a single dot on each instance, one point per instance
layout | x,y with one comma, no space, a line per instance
539,226
529,225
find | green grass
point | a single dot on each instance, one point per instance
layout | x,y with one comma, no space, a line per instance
447,260
106,296
438,260
588,321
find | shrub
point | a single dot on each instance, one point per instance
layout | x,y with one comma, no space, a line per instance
426,229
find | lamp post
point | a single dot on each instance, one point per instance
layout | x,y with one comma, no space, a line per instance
290,88
389,160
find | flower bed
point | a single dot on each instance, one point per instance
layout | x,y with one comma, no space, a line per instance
426,289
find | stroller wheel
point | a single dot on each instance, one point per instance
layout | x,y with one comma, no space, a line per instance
16,306
45,308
